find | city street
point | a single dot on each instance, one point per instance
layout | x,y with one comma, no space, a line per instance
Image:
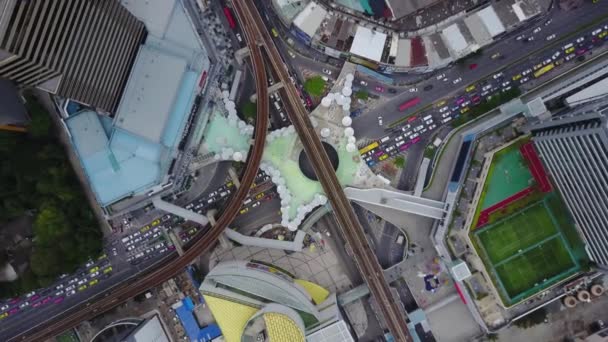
562,23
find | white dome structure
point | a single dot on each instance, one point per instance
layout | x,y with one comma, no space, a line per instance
325,132
326,102
350,147
350,77
352,140
347,91
349,131
347,121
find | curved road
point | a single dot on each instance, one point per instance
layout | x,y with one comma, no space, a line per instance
109,300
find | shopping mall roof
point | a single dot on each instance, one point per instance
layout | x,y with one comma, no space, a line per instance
404,52
310,18
134,151
491,21
368,43
282,328
117,167
230,316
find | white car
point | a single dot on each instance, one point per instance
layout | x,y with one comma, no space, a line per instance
520,37
431,127
547,61
379,121
556,55
506,83
580,40
291,54
445,115
413,90
327,71
239,37
458,80
524,80
551,37
414,136
548,22
363,83
4,307
443,109
536,30
497,75
440,76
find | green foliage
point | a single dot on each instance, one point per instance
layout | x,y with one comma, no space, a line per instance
249,111
315,86
429,151
532,319
400,162
40,125
36,178
486,106
362,95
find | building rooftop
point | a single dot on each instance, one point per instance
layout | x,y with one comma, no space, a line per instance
491,21
150,93
132,154
310,18
115,168
192,328
401,8
336,332
368,43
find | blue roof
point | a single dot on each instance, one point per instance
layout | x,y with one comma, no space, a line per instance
181,109
193,330
115,168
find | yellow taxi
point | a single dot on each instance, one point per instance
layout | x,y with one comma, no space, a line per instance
470,88
93,282
382,157
259,196
155,223
94,269
244,211
107,270
516,77
464,110
82,287
145,229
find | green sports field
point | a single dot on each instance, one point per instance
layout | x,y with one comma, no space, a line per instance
508,175
526,251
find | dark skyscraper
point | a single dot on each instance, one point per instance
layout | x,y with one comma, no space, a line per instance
78,49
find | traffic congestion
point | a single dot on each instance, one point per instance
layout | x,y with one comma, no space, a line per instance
143,244
445,110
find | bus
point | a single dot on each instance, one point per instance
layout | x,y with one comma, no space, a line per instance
409,104
229,17
274,31
544,70
369,147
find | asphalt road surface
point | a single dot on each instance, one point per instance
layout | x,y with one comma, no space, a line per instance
562,24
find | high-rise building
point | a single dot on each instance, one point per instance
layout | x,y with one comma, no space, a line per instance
574,147
77,49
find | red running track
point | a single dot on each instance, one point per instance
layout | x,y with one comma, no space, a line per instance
536,167
484,215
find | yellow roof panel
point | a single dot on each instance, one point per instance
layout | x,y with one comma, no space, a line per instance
231,317
318,293
281,328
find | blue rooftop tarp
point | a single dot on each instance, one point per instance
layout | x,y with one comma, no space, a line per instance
193,330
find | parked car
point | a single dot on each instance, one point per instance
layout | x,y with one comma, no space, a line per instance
327,71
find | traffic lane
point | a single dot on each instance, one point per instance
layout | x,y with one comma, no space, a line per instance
509,47
268,212
30,319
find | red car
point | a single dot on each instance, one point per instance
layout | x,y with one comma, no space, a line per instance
473,66
379,89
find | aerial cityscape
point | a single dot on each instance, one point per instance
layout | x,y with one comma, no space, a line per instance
303,170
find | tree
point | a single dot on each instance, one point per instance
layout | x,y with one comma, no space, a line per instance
400,162
249,111
315,86
362,95
40,124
